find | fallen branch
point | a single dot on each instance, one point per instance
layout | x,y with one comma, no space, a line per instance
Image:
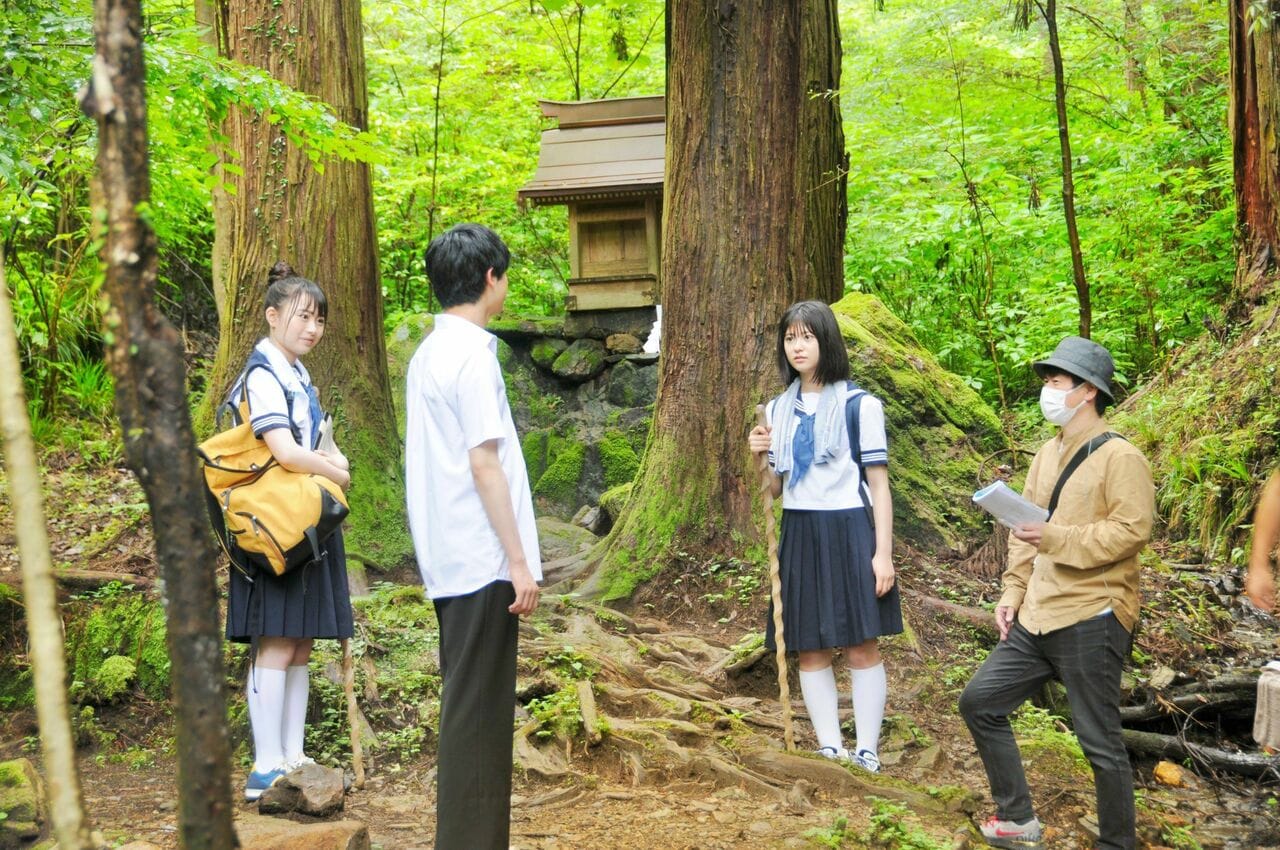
1235,690
1155,745
976,617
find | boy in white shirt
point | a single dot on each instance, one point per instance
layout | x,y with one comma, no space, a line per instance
471,517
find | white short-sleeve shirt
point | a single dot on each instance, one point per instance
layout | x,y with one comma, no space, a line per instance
268,407
456,399
833,485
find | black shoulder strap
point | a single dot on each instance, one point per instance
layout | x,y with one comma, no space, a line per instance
1078,458
853,419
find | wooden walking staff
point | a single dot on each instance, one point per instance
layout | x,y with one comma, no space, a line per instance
353,713
775,585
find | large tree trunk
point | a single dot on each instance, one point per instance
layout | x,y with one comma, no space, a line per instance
146,357
1254,114
320,220
754,221
1049,11
40,594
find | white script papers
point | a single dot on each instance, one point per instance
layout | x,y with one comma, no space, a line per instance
1007,506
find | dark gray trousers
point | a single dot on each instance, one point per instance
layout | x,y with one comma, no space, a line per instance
477,707
1087,658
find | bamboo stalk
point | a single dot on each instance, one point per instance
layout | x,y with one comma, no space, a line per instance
44,621
775,586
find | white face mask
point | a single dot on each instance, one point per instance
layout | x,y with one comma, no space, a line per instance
1053,404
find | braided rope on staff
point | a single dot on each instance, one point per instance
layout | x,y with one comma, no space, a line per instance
775,586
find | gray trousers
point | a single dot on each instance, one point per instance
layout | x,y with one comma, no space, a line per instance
1087,658
477,706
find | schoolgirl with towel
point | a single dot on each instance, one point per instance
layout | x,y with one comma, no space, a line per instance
839,588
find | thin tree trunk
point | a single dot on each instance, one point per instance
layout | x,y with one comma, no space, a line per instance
753,193
319,218
1049,11
1254,117
145,354
40,596
1134,73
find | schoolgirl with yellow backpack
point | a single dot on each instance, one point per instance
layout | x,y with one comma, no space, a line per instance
283,594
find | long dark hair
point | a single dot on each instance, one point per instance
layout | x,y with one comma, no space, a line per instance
833,357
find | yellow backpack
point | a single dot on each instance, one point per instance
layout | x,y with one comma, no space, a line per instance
278,519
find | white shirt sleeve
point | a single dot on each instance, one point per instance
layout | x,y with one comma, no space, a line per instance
871,434
268,407
481,399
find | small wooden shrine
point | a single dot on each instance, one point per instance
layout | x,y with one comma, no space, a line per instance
604,161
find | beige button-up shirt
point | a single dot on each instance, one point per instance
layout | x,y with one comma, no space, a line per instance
1088,556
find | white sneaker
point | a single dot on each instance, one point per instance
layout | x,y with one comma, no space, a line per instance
867,760
840,754
301,761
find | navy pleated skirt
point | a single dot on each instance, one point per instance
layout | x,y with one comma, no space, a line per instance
828,589
309,602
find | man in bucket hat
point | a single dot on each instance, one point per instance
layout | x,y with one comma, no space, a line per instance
1070,599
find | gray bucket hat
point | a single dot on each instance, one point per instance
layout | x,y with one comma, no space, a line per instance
1084,359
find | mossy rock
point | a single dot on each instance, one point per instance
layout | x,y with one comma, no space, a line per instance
630,385
1210,426
402,342
559,539
125,623
112,679
22,803
939,428
581,361
559,483
613,500
545,350
618,460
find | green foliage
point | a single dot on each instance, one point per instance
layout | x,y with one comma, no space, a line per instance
559,714
957,224
891,828
112,679
570,664
117,622
1044,736
833,836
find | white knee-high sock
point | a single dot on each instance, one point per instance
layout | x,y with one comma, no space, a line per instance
265,693
297,686
819,690
870,692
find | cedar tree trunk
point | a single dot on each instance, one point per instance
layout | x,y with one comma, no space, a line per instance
318,217
1254,114
754,220
145,354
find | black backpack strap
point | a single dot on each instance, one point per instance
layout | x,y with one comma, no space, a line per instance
257,360
853,421
1078,458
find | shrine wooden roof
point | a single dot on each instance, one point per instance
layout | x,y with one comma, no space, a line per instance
602,149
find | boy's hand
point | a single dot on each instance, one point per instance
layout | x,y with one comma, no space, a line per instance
1261,587
882,567
759,438
526,588
1005,615
1030,532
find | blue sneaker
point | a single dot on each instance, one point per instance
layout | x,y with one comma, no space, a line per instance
259,782
867,760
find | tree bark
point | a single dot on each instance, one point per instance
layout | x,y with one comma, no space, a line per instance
754,221
1049,11
44,622
1254,111
1155,745
145,354
318,216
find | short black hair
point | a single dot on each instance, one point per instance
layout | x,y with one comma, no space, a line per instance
458,259
1100,400
833,357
